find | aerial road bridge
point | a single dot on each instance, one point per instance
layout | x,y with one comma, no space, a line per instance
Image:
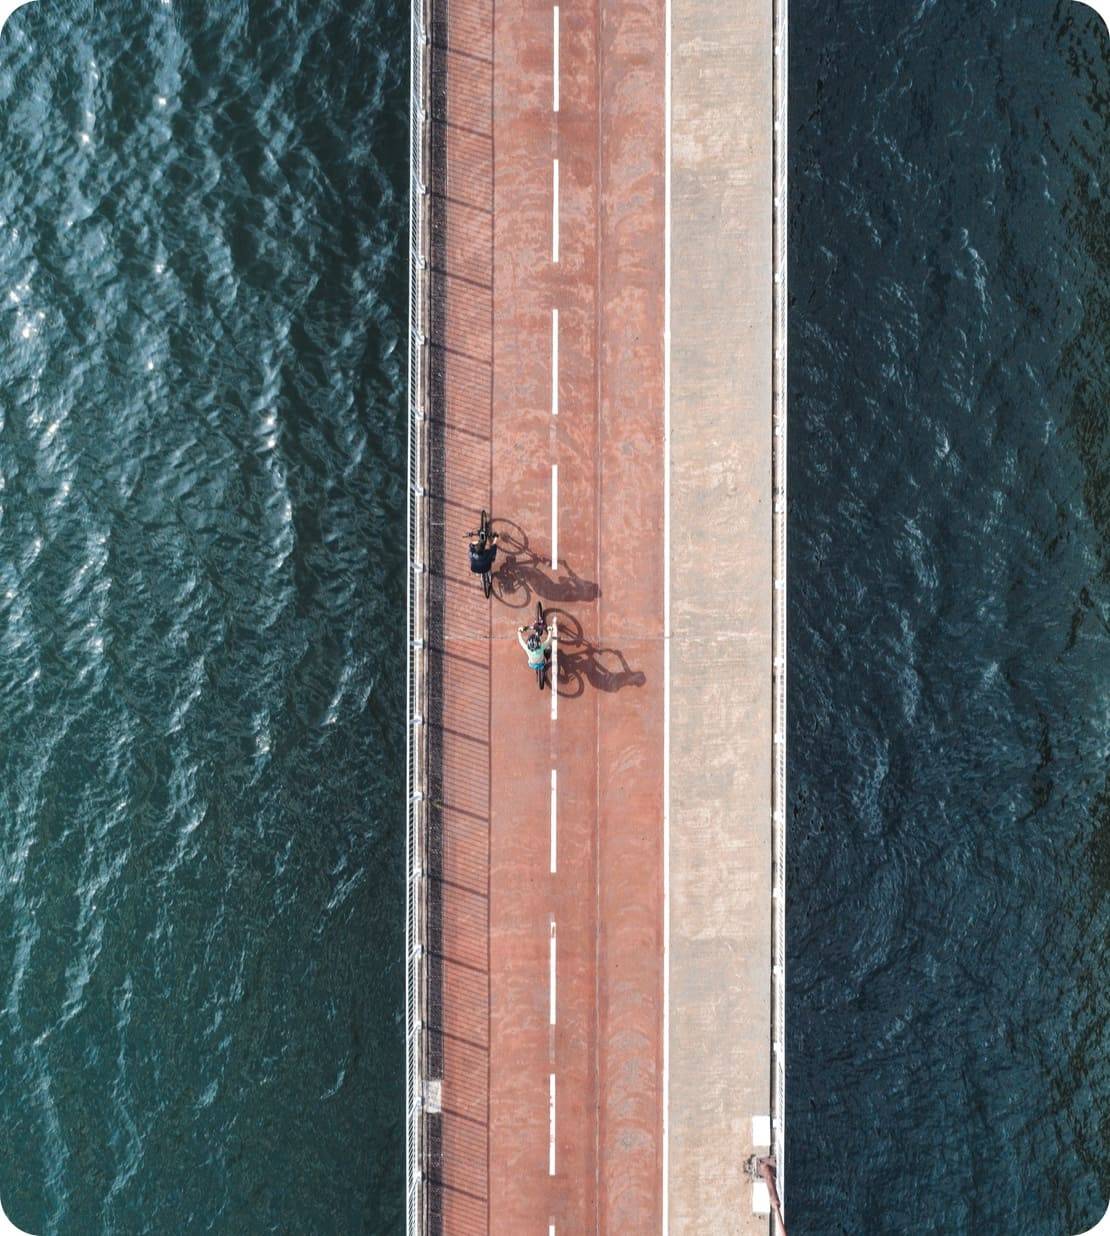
596,896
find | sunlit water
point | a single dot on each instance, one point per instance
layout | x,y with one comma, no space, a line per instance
202,298
202,282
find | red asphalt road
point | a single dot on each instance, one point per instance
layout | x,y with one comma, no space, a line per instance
498,284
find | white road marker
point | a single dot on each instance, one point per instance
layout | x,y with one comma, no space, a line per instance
555,63
554,517
554,210
554,684
554,362
666,613
554,809
552,968
551,1127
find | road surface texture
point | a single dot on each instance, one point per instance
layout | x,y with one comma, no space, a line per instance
598,935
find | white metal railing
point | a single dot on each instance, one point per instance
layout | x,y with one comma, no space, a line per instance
416,631
778,605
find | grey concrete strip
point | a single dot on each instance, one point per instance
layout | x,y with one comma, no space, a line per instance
721,610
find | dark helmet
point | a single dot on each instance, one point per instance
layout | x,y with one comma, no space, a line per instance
533,642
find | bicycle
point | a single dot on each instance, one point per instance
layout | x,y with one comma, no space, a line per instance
485,538
539,630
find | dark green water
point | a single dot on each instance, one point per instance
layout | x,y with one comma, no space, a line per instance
949,879
201,588
202,339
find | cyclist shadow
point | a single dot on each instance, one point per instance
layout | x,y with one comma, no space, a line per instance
582,664
524,575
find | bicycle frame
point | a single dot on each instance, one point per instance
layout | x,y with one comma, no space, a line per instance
539,629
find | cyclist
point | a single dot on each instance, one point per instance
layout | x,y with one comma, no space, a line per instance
534,646
482,553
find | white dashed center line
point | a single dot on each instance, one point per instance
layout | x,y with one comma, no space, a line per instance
551,1126
554,210
554,801
554,699
555,62
554,362
552,968
554,517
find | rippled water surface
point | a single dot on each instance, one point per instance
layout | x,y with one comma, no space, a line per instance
202,289
201,423
950,558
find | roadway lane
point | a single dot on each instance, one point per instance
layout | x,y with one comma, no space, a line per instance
525,274
628,663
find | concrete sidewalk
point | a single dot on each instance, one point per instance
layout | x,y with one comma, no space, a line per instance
721,596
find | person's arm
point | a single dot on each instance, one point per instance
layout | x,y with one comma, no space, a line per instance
520,638
546,642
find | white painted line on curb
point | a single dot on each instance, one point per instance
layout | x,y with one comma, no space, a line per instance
554,362
666,611
551,1127
554,807
554,517
554,210
555,73
552,969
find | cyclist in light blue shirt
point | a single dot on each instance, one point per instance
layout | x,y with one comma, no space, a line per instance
534,647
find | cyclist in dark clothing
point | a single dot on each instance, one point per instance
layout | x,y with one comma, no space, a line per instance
482,556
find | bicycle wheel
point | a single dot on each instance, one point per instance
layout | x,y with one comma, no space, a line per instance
483,525
540,675
539,613
487,584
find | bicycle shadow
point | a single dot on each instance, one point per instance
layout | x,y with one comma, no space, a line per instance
582,664
524,575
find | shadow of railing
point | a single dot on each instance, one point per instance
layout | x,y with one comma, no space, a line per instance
459,437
